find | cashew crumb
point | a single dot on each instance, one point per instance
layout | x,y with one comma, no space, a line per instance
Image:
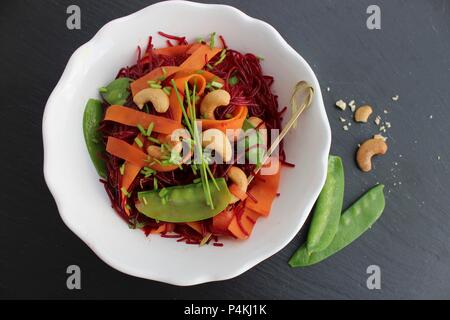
385,111
349,124
341,105
431,116
439,157
395,98
352,105
388,125
378,120
345,128
342,119
328,89
383,129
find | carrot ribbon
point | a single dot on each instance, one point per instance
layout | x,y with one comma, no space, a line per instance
131,117
196,61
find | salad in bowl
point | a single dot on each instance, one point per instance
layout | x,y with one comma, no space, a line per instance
179,140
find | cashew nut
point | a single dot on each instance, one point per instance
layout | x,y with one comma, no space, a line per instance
367,150
216,140
157,97
238,177
212,101
363,113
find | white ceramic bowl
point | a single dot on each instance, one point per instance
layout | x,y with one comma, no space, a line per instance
81,199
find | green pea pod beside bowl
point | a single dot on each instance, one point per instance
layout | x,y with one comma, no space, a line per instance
353,223
93,114
328,209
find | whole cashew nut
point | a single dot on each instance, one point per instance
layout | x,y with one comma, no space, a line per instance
238,177
216,140
157,97
363,113
368,149
212,101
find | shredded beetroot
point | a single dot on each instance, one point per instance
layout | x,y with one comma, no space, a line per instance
253,89
171,236
180,40
287,164
252,197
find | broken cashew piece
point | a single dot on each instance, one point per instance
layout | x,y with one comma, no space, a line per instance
216,140
363,113
369,149
157,97
238,177
154,152
212,101
174,146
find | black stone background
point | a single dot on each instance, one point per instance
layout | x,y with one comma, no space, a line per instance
409,56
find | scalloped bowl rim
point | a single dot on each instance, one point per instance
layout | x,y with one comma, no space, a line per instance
58,194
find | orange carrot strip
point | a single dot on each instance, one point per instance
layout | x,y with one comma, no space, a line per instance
130,173
234,123
243,228
175,107
173,51
159,230
237,192
127,152
209,76
197,226
177,50
134,118
264,190
200,57
222,221
193,48
142,83
191,79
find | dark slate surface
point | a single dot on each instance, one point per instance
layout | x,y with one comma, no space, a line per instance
409,56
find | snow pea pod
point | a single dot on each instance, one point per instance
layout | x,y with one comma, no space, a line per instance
183,203
328,209
253,143
353,223
93,114
117,92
